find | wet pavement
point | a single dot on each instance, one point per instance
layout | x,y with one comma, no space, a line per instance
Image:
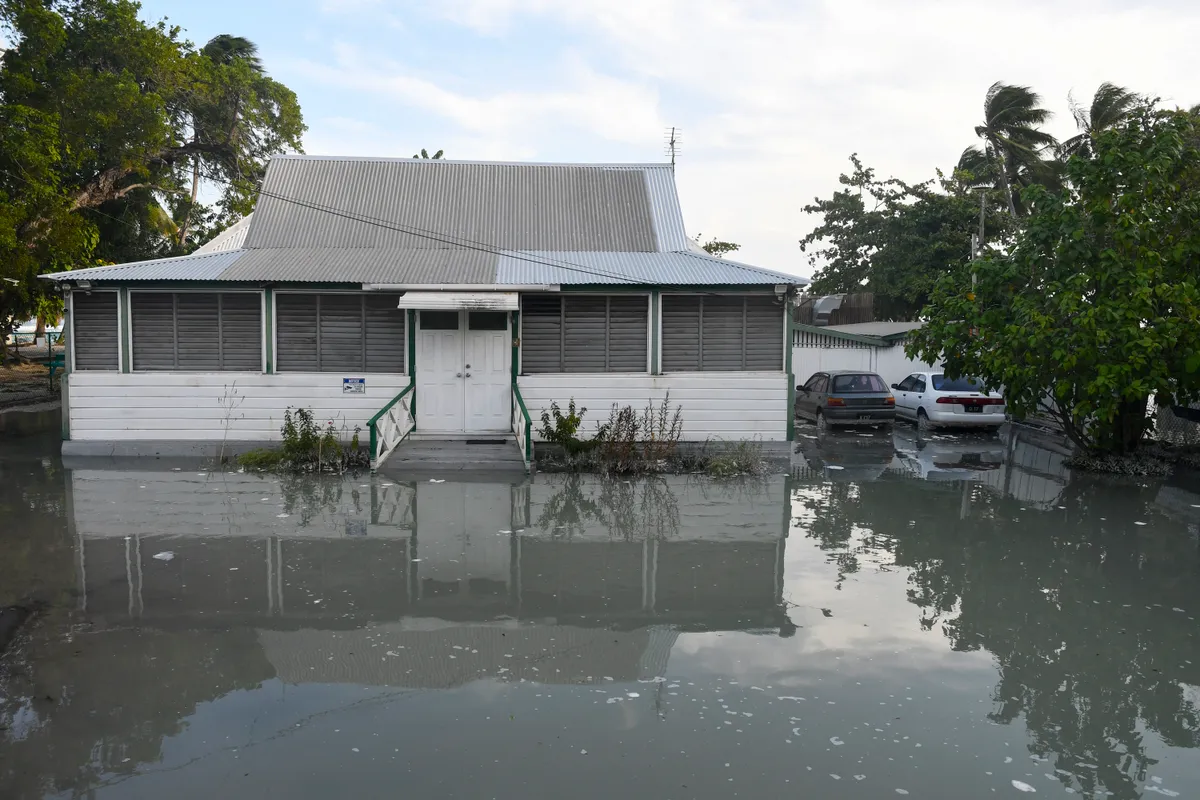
941,617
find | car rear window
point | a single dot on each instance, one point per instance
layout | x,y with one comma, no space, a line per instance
943,384
847,384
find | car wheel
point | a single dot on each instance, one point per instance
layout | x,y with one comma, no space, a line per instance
822,425
923,421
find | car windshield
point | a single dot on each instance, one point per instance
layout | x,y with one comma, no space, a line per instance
858,383
943,384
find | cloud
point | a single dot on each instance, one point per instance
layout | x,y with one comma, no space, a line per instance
771,95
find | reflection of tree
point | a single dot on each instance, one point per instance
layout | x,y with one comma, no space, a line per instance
37,556
309,496
1076,607
103,721
629,510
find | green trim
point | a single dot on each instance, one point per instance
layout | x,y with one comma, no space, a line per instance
269,328
515,360
411,362
528,425
64,383
789,326
655,310
594,288
874,341
371,422
123,313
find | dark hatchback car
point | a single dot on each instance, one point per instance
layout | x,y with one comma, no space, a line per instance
846,397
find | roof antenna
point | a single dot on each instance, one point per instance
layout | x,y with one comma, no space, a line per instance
672,148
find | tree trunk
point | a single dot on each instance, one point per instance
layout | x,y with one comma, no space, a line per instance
1008,192
187,214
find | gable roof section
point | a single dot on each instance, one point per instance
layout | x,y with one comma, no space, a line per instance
435,222
424,204
232,238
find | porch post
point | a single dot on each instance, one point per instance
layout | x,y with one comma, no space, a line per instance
411,362
514,365
788,328
655,325
269,329
123,312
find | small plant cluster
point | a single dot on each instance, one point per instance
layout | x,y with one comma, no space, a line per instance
632,442
308,447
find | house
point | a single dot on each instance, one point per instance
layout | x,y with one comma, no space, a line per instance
873,346
429,299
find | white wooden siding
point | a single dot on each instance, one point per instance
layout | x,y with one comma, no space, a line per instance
728,406
189,406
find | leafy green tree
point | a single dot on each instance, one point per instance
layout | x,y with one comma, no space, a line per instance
717,247
1095,306
425,154
1013,142
102,115
893,238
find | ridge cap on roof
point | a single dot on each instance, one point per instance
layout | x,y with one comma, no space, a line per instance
795,279
397,159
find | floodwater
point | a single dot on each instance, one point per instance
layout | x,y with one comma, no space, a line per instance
950,617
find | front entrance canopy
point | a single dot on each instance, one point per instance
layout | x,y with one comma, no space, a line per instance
443,301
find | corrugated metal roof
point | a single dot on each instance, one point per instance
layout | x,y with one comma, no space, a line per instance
363,265
339,203
232,238
194,267
332,220
877,328
536,267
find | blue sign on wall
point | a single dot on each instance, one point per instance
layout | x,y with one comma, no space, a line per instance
354,385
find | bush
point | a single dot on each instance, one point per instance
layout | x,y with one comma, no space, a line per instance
308,447
564,427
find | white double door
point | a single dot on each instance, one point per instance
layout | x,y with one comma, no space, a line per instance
463,372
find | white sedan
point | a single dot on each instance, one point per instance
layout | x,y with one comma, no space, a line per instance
930,399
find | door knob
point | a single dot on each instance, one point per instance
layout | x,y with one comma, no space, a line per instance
468,374
458,374
468,366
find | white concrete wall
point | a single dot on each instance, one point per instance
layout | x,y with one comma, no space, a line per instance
110,406
890,362
728,406
895,366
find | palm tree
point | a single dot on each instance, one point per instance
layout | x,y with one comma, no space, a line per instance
1110,106
1012,141
222,50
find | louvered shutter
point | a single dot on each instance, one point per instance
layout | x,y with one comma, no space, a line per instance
153,320
341,332
386,326
764,334
680,333
721,330
628,321
541,334
296,332
94,330
241,332
584,323
197,332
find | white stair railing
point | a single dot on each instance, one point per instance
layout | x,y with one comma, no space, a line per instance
389,427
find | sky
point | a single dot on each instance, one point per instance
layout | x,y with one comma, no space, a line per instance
770,96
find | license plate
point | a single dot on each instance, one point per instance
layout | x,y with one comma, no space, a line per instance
973,409
864,416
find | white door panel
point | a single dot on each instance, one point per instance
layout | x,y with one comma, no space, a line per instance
441,396
489,381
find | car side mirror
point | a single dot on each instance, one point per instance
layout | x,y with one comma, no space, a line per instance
801,389
895,386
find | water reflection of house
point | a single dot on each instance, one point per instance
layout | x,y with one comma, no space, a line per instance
433,584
